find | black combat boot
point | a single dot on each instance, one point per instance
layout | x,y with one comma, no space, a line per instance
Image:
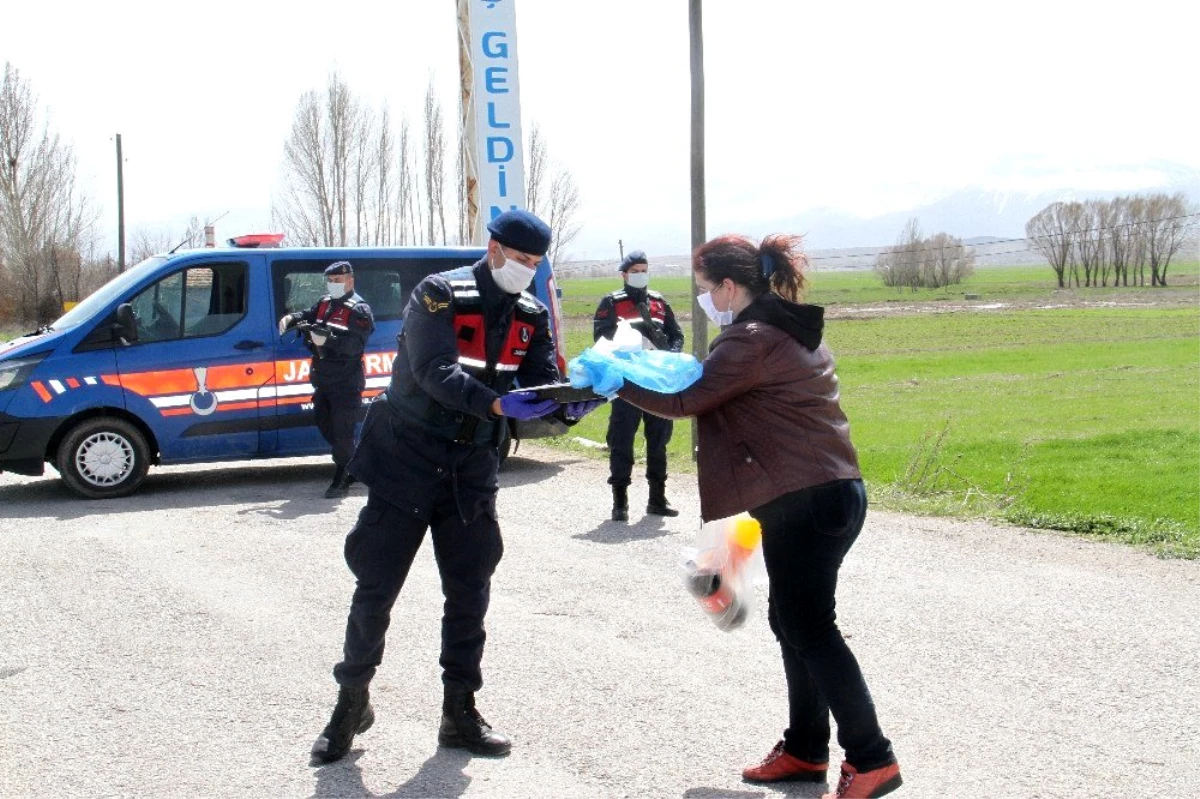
351,715
463,727
340,485
658,504
620,511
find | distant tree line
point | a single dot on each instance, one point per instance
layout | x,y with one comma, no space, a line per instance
48,226
351,177
1091,242
920,262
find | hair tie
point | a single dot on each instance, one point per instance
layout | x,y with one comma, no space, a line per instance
767,263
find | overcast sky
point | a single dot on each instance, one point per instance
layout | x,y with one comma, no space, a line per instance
865,107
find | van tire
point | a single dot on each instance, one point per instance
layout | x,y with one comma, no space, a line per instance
505,447
103,457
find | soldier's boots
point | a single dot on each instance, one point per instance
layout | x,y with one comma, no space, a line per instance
463,728
351,715
620,510
658,504
340,485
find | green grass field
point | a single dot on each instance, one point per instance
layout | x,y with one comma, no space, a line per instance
1057,410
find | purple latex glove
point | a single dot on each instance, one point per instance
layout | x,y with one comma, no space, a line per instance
578,410
525,405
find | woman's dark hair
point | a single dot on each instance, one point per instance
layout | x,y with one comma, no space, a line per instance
777,264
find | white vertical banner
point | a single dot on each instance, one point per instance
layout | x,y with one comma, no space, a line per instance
499,145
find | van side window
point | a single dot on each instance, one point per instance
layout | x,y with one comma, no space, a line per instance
201,301
384,283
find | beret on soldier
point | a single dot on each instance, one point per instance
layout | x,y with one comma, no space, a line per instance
522,231
339,268
635,257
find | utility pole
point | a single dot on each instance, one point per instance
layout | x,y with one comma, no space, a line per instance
120,208
621,248
699,318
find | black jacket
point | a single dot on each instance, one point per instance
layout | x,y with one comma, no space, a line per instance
637,305
408,442
337,364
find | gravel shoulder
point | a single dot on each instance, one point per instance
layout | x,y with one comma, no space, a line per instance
179,643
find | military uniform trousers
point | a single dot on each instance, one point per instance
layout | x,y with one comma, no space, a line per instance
381,547
336,412
622,429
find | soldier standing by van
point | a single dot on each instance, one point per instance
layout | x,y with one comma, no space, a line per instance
336,333
429,457
649,313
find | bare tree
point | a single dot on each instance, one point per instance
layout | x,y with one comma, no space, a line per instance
535,170
899,266
46,222
407,223
1049,234
1169,223
564,205
435,157
917,262
557,203
147,241
329,161
945,261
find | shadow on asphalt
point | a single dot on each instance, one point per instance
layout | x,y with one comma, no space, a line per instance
440,775
610,532
519,471
300,486
779,789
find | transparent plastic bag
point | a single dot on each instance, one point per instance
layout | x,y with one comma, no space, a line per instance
720,572
606,365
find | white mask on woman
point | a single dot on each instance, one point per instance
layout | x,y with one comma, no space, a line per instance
719,318
513,277
639,280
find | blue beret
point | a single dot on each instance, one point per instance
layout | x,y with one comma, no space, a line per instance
339,268
522,231
635,257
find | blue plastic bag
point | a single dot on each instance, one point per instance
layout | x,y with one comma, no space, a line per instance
606,366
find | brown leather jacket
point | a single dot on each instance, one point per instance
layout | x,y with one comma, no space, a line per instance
767,410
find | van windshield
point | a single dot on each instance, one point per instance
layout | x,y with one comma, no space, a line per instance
104,295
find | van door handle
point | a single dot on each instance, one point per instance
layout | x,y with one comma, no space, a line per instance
249,345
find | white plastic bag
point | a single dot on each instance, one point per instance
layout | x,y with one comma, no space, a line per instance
721,570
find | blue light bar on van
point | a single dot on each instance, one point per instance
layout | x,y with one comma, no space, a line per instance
257,240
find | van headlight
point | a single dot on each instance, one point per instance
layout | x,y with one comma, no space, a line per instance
14,372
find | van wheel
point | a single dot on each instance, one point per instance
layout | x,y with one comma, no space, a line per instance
505,446
103,457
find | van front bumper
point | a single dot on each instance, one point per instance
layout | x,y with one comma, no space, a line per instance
23,443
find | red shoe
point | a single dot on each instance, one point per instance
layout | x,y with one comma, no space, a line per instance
778,766
866,784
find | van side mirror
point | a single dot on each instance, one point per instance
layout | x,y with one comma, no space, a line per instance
126,327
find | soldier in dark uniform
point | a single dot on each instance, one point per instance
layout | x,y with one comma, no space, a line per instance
339,326
649,313
429,457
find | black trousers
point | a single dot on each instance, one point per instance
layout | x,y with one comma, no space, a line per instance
380,550
805,536
622,428
336,414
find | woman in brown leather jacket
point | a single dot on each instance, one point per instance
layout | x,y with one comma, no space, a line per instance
773,441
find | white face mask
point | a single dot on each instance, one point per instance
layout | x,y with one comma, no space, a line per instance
513,277
336,289
639,280
719,318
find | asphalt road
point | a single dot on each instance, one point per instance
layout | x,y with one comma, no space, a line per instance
179,643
